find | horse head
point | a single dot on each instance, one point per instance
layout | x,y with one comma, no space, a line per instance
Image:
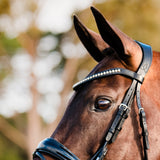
95,103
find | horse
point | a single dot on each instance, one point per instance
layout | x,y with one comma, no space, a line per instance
122,90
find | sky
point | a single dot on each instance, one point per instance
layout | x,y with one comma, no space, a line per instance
52,15
56,16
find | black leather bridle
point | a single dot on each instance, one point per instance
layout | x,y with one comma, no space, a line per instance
56,150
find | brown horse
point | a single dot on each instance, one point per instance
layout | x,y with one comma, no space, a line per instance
93,107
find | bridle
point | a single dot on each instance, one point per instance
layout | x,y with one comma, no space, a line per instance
55,149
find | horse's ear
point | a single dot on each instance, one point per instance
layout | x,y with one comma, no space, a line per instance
91,40
127,49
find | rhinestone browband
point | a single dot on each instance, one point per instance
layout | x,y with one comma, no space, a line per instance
109,72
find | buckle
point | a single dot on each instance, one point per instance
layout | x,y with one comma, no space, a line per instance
141,109
124,106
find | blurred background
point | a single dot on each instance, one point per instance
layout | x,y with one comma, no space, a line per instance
41,57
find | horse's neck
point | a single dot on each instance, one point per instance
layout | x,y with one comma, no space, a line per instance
150,98
150,92
151,86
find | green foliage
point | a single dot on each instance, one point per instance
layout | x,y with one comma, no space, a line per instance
8,48
4,6
9,151
3,73
7,45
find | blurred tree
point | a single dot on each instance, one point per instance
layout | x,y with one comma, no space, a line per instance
22,131
137,19
4,6
27,138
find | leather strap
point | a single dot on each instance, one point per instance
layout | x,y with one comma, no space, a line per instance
110,72
125,107
54,149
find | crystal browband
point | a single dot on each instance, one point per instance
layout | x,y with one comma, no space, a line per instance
109,72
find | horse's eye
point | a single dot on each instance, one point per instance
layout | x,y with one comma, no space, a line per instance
102,104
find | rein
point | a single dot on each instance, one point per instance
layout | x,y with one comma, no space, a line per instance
55,149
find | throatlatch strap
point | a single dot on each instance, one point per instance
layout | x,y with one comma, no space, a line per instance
143,69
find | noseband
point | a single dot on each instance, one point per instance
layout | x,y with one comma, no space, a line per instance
56,150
